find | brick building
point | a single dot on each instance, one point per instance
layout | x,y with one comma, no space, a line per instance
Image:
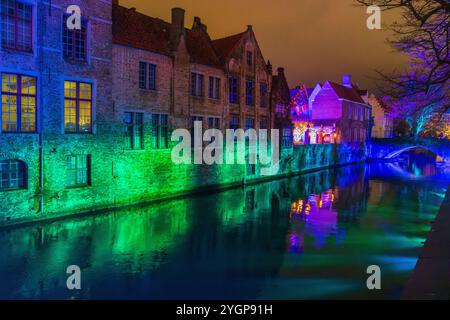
340,113
57,127
87,114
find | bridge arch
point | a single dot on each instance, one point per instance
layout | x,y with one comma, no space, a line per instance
397,152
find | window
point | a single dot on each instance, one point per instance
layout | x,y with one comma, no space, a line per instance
213,123
234,123
279,109
77,107
134,130
75,41
263,123
263,95
147,81
249,58
214,88
356,112
160,131
287,138
234,90
249,92
13,175
18,103
78,171
197,81
152,76
142,75
249,123
350,112
17,25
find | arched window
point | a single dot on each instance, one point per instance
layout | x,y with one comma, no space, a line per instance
13,175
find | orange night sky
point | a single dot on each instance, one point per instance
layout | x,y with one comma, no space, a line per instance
314,40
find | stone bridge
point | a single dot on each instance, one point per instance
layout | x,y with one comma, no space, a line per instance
391,148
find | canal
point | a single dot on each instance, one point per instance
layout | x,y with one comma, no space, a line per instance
307,237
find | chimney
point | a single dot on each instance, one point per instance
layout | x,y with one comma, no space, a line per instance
198,25
116,2
177,27
347,80
280,72
269,67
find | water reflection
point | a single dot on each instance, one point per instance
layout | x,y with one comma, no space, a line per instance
311,237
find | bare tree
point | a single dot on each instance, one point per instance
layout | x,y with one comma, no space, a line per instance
423,35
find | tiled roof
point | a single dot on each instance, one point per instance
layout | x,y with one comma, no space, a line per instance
347,93
131,28
201,49
134,29
224,46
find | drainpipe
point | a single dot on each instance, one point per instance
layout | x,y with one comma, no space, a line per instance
40,52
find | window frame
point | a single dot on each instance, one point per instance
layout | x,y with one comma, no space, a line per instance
158,128
214,88
152,83
16,19
77,100
135,128
249,120
249,58
249,94
21,169
72,58
142,75
233,95
263,95
77,169
232,125
214,123
19,95
197,86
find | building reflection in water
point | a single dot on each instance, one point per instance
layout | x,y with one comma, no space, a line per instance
313,216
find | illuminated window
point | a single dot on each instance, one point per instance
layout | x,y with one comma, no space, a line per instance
214,88
134,132
234,90
18,103
160,131
77,107
74,41
197,84
17,25
263,95
78,171
249,92
13,175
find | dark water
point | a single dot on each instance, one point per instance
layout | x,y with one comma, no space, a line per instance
309,237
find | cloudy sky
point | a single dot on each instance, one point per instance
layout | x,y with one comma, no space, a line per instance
314,40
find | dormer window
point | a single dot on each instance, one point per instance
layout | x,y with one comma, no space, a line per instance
17,25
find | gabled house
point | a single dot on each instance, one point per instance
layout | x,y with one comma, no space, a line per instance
248,81
383,123
280,98
340,114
